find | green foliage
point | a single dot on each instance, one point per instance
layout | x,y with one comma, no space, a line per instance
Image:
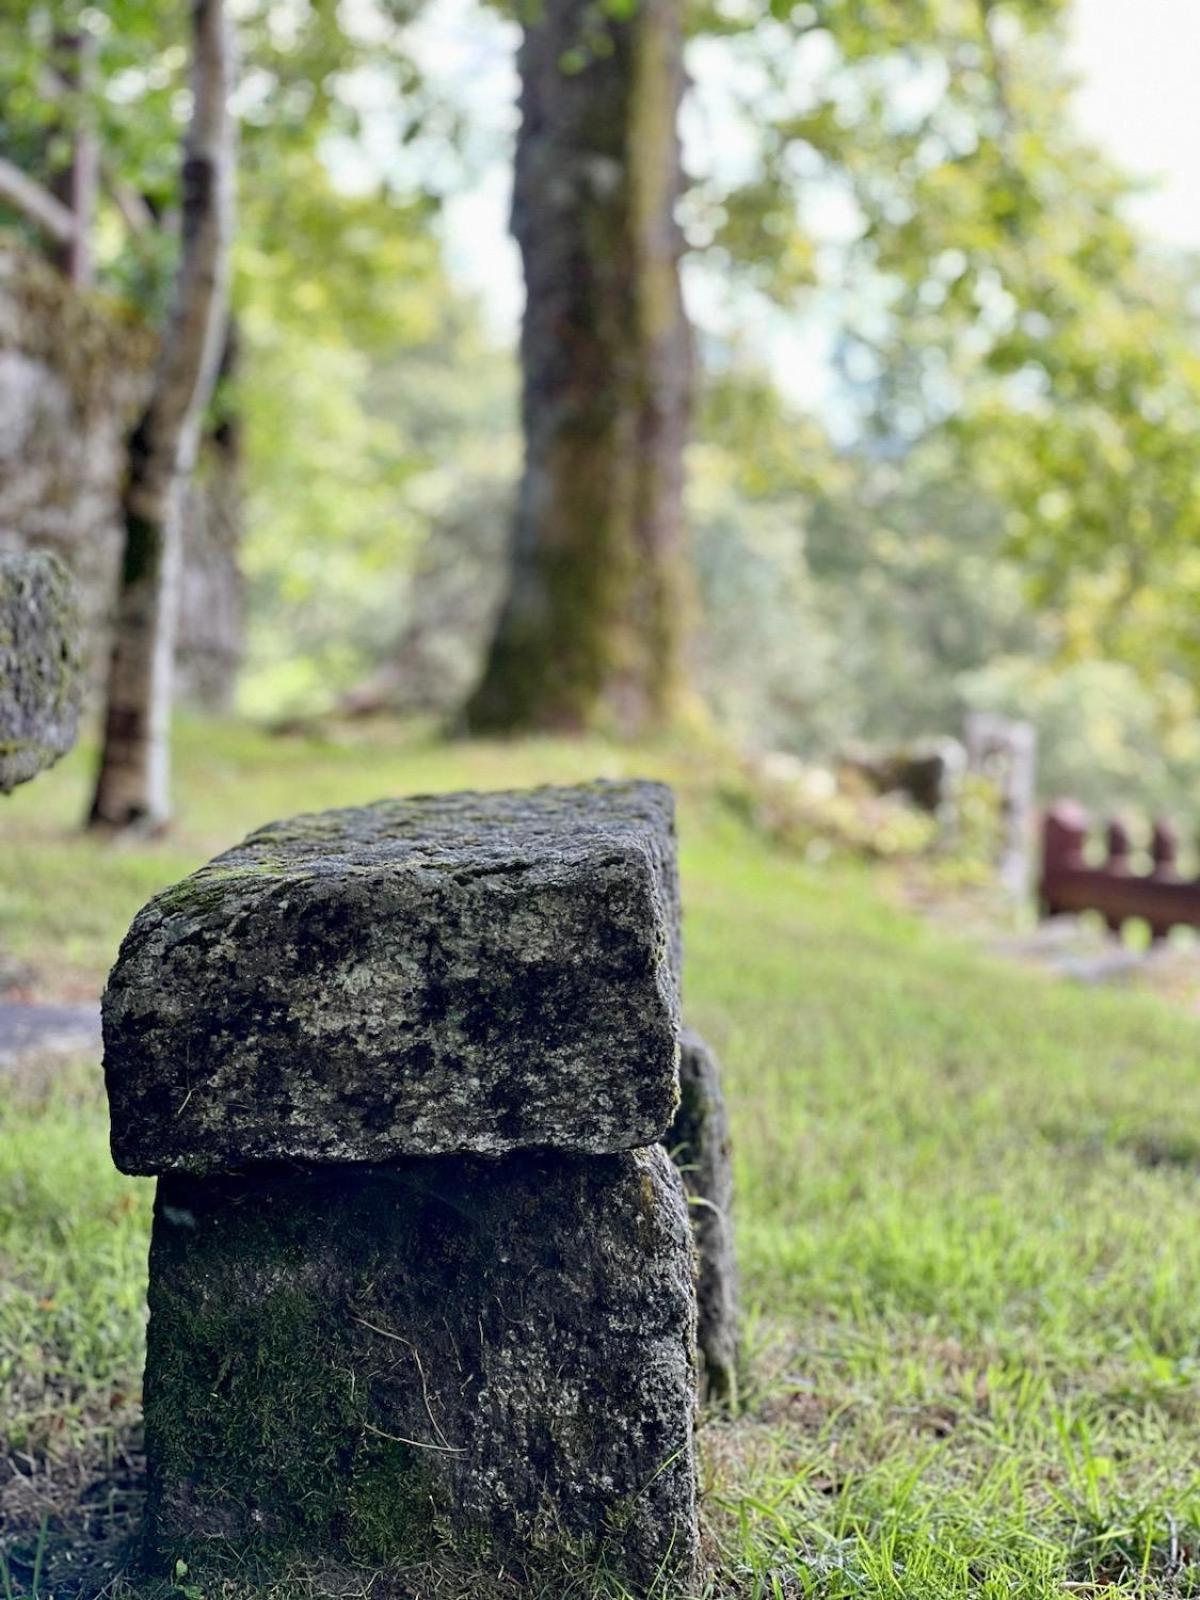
871,587
1106,738
373,414
886,601
376,417
1019,386
296,61
1012,493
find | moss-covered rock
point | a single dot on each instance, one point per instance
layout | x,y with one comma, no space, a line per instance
486,1359
40,678
449,974
97,343
699,1144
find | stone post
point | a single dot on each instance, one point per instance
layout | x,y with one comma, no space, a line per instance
1005,752
421,1277
699,1146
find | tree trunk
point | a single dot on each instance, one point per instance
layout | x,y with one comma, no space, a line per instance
63,208
209,645
76,184
132,784
592,628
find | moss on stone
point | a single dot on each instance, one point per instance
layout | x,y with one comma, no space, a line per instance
436,975
271,1394
94,341
368,1366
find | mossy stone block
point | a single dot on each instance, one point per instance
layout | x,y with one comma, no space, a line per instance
466,973
699,1144
40,672
443,1360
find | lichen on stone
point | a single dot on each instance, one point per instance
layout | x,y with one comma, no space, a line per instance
444,974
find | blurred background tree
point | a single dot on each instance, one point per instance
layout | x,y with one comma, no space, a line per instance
991,500
133,781
593,625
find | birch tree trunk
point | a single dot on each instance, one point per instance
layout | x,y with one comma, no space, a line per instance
132,787
593,626
210,636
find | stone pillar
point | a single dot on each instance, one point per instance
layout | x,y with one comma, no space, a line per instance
420,1282
40,675
1005,752
699,1146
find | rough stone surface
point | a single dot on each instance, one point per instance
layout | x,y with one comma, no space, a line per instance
40,682
699,1145
449,974
451,1359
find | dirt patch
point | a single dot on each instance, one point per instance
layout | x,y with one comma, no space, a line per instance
67,1523
29,1029
1164,1148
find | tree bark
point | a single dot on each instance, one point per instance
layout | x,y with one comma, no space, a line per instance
593,625
63,209
77,183
209,646
132,784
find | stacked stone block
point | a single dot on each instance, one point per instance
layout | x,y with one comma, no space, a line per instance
421,1276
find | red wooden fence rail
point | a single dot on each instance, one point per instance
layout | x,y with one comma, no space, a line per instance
1161,896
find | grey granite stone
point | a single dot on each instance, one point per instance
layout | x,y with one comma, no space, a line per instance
699,1145
40,676
447,1360
451,974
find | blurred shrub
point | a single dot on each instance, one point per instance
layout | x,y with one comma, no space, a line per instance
766,653
1105,737
806,809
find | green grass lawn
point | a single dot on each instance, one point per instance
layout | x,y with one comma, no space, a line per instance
968,1211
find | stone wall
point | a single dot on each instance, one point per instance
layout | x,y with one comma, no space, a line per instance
73,372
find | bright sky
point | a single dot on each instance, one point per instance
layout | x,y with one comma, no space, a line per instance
1138,62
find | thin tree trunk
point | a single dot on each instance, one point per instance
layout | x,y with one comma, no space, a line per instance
592,628
63,210
209,645
77,183
132,784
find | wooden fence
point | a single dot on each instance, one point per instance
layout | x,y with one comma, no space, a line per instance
1162,897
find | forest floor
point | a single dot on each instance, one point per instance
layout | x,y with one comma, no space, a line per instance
967,1212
